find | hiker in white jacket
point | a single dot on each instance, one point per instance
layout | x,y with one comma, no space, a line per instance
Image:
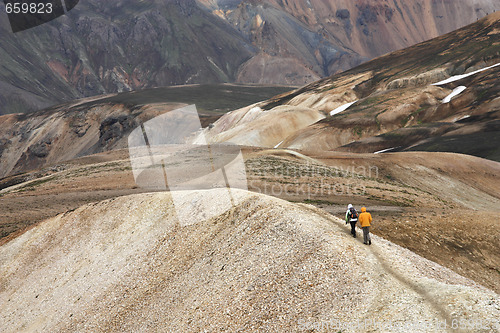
351,216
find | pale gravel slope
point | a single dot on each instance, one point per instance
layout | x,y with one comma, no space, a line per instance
267,265
251,126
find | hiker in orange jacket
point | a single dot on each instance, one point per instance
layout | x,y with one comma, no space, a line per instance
365,219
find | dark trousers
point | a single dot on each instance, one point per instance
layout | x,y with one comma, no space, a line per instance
366,235
353,228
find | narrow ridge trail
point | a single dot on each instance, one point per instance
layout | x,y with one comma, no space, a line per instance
391,273
127,264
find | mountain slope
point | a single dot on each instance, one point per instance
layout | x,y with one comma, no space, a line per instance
107,47
342,34
103,123
265,265
104,47
397,101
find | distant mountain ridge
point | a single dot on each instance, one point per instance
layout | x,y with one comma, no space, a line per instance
98,124
439,95
106,47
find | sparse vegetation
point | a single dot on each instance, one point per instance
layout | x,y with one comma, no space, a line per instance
32,185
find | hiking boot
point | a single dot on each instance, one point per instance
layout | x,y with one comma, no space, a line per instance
370,242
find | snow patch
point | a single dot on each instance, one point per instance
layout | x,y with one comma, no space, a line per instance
462,118
341,108
455,92
279,144
459,77
256,109
385,150
252,114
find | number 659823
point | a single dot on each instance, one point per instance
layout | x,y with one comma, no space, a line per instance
28,8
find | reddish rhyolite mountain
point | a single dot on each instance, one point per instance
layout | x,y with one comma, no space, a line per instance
102,47
299,40
396,107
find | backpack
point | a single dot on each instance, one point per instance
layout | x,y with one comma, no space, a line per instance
354,214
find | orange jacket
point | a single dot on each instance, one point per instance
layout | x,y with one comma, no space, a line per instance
365,218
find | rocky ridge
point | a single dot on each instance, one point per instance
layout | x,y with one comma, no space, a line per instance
125,264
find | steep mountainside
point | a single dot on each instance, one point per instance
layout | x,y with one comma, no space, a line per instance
112,46
332,36
399,101
115,46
